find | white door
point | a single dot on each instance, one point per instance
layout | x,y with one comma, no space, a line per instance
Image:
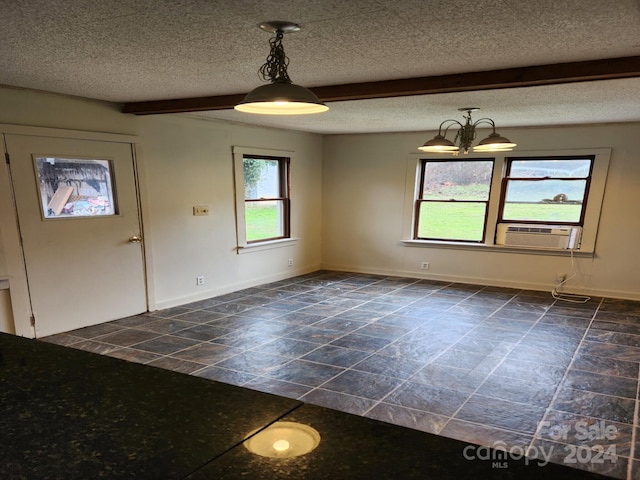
80,226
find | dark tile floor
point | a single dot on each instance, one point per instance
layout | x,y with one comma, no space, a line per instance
511,369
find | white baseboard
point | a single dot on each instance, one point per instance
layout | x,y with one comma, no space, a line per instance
493,282
205,294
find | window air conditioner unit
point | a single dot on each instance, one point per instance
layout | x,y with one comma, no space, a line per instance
538,236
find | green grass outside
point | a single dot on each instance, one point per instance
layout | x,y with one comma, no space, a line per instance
262,221
452,221
545,212
465,221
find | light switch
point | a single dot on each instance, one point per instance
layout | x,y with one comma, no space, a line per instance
200,210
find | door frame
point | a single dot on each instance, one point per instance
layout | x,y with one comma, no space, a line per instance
10,231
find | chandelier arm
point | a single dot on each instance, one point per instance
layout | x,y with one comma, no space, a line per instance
485,121
451,124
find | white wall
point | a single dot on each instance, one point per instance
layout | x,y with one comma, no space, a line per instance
183,162
188,162
363,197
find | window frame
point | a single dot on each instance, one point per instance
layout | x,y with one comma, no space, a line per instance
284,191
419,201
42,183
508,162
592,212
284,180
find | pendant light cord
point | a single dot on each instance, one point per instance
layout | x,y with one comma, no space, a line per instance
275,68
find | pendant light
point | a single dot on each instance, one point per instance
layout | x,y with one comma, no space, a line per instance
281,96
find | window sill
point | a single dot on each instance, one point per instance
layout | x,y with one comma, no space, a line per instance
495,248
268,245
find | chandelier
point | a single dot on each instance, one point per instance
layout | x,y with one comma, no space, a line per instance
281,96
465,136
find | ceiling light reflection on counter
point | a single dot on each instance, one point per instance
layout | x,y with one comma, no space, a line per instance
283,440
281,96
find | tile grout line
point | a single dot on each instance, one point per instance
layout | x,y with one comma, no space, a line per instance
370,353
566,372
321,320
498,365
404,382
417,281
280,336
632,451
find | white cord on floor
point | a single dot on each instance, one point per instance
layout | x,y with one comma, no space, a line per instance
569,297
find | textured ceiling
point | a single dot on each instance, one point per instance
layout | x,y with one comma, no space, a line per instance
136,50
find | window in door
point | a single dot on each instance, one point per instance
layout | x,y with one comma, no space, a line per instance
72,187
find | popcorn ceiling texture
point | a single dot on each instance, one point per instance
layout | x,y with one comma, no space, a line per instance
124,51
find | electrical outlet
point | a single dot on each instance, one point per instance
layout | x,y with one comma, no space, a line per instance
290,262
424,265
200,280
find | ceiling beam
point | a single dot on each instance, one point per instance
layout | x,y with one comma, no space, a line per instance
605,69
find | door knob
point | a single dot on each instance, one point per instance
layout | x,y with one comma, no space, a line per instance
135,239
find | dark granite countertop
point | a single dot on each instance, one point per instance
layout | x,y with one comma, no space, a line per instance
70,414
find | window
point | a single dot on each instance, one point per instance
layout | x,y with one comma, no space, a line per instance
262,196
71,187
467,203
453,199
266,197
550,190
